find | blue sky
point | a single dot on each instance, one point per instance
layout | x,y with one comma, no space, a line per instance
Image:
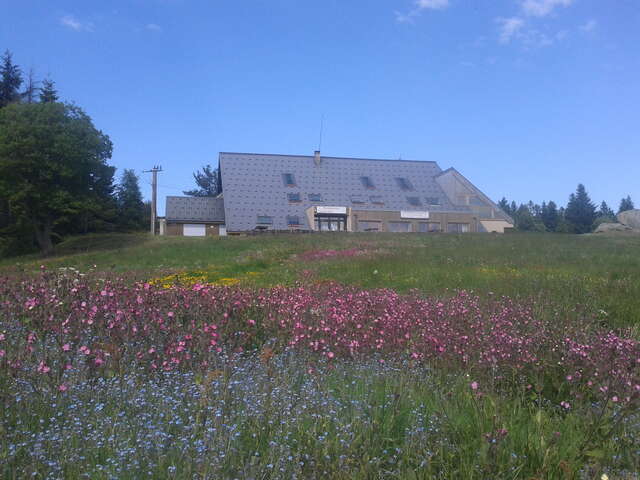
524,97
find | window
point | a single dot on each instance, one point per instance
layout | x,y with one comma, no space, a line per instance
414,201
367,183
293,220
399,227
376,200
367,226
358,200
432,200
429,227
265,220
457,227
294,197
404,184
315,197
476,201
288,180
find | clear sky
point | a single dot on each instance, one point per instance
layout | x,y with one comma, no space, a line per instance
524,97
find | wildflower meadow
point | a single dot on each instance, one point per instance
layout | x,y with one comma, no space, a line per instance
215,373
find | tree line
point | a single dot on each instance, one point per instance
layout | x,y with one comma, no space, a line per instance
580,215
55,179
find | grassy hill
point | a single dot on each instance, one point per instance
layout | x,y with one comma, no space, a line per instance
598,273
143,364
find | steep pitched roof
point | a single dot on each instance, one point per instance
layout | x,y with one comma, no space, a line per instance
203,209
253,186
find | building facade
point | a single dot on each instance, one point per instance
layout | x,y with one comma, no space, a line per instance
316,193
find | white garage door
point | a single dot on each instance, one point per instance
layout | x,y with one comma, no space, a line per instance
194,230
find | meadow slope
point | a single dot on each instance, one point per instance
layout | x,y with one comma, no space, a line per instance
322,356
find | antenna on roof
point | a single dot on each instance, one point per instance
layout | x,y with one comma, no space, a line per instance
321,128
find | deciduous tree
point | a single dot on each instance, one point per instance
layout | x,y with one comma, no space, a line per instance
53,165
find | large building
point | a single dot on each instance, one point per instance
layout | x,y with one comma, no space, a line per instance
317,193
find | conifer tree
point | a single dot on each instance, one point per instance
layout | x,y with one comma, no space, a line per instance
129,199
48,92
626,204
580,212
208,182
550,216
606,212
10,80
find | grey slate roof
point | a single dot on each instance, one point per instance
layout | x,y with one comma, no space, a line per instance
253,186
186,209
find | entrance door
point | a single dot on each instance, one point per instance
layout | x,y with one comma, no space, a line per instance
331,223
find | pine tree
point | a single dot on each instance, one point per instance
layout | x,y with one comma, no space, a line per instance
10,80
626,204
48,92
606,212
580,212
504,205
208,182
550,216
129,199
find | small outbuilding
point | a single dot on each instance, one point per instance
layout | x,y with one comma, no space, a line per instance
195,216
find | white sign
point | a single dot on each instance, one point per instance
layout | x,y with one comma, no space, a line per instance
333,210
410,214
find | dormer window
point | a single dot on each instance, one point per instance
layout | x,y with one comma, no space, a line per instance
264,220
288,179
315,197
367,183
433,201
294,197
358,200
414,201
376,200
404,183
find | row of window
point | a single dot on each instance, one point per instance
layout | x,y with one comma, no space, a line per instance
296,197
370,226
402,227
402,182
292,220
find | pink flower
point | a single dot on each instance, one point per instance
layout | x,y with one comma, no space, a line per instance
62,387
2,337
330,354
98,361
84,349
170,314
614,399
474,386
43,368
565,405
2,353
66,347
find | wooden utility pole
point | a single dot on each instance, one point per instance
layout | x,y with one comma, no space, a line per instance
154,195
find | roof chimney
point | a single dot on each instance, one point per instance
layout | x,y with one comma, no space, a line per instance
316,157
